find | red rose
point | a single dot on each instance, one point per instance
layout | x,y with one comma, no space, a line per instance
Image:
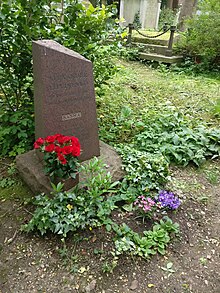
66,150
36,145
75,141
61,140
56,136
62,159
49,148
67,139
76,151
50,139
57,149
40,141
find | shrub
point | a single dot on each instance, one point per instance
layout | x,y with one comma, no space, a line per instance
20,22
82,29
202,37
16,132
167,15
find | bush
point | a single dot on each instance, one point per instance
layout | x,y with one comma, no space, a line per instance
167,15
16,132
201,40
20,22
82,29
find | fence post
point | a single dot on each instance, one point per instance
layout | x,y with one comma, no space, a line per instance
130,28
170,44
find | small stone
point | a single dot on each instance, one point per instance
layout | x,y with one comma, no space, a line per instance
134,285
91,286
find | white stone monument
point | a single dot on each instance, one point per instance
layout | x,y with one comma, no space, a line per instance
149,12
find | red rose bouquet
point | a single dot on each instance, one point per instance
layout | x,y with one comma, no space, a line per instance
60,155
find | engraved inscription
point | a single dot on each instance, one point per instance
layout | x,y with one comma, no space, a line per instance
52,99
71,116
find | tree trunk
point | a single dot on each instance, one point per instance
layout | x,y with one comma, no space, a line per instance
170,4
187,10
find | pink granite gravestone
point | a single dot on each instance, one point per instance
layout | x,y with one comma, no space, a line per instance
64,95
64,101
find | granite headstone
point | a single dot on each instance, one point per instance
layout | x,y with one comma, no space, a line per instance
64,95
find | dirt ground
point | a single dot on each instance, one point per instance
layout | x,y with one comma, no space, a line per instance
31,263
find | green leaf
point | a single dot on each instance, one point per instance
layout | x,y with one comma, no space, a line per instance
108,227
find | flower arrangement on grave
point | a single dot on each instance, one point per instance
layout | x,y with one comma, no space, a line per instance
60,155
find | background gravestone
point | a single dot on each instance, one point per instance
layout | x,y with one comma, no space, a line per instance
64,95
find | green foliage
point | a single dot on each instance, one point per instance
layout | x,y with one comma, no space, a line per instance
20,22
16,132
202,38
108,267
120,125
63,213
7,182
145,170
178,140
167,16
82,29
84,207
88,207
153,241
217,108
136,21
86,31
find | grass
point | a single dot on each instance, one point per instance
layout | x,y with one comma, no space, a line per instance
144,89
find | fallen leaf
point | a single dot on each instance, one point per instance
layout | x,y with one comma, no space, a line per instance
82,270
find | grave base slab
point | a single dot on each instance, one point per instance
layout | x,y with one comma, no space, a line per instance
30,168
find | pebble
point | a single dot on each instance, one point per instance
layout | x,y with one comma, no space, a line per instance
134,285
91,286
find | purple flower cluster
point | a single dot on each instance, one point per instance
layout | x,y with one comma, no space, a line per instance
144,203
167,199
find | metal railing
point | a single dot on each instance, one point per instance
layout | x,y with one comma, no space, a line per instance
172,30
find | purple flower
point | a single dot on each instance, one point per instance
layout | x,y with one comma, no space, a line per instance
167,199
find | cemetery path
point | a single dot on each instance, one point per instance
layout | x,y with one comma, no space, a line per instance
30,263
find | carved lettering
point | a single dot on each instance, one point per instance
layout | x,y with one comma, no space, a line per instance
71,116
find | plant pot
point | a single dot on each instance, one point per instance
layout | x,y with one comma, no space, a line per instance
68,183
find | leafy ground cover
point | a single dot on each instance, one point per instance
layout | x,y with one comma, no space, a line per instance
123,247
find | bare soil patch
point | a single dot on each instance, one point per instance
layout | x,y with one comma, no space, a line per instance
31,263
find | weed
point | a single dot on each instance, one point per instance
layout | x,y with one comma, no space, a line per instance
203,261
7,182
169,269
145,170
212,175
108,267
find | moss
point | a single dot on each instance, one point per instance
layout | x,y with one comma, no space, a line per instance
17,191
